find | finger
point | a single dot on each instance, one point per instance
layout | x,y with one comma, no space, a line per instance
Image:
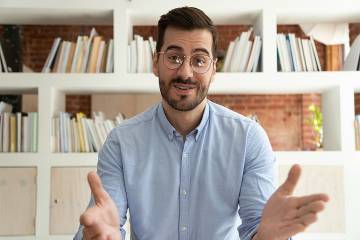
307,219
96,187
89,217
94,231
287,188
312,198
313,207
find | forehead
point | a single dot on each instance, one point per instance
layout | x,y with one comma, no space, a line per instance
187,40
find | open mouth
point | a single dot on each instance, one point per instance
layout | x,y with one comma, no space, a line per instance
184,87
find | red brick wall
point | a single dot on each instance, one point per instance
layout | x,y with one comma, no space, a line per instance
78,103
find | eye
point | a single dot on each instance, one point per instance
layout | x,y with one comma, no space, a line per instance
174,58
200,60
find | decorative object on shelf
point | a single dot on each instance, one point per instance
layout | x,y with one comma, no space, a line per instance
329,33
139,54
10,50
316,122
243,54
90,54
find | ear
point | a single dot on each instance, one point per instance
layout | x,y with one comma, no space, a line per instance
155,60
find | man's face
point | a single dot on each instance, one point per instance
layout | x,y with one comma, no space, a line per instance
182,88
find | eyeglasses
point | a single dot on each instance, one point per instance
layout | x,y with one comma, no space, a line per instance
200,63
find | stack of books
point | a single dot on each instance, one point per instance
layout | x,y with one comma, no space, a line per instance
81,134
357,132
296,54
18,131
243,53
139,55
90,54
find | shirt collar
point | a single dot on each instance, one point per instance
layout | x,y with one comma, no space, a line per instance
171,131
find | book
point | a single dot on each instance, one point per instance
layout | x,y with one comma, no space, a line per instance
6,132
352,59
3,60
77,51
228,56
12,133
110,57
94,54
87,50
50,59
18,131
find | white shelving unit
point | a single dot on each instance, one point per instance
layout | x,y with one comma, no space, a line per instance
337,89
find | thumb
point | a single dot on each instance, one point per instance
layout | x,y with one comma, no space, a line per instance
96,187
287,188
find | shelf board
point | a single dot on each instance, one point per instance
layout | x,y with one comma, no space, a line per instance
56,16
19,159
18,238
73,159
224,83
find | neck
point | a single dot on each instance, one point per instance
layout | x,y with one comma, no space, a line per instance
184,122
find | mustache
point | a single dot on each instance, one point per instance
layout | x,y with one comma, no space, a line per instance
183,81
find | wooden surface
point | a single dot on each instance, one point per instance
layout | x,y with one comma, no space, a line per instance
70,196
17,201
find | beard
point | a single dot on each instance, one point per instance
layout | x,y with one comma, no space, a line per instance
183,102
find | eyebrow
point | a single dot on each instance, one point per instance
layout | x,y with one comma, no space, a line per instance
175,47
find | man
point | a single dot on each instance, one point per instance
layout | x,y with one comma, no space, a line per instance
187,168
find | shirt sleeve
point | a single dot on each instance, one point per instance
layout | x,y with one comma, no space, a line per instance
258,181
110,170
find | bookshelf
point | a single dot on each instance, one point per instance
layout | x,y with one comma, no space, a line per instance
338,159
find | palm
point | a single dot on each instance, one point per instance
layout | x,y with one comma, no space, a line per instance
101,220
285,215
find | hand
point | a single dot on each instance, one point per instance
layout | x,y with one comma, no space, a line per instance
101,222
285,215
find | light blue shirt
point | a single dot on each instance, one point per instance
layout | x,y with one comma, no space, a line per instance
192,188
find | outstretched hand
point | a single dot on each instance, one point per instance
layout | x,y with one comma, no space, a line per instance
285,215
100,221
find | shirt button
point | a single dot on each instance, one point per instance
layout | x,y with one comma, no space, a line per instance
183,228
184,192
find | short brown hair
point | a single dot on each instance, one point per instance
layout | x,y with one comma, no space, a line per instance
186,18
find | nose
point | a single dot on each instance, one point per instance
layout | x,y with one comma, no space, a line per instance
185,71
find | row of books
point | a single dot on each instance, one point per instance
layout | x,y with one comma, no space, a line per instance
139,55
357,132
296,54
3,65
90,54
79,133
243,53
18,131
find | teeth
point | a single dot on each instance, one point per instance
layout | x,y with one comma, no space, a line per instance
182,88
